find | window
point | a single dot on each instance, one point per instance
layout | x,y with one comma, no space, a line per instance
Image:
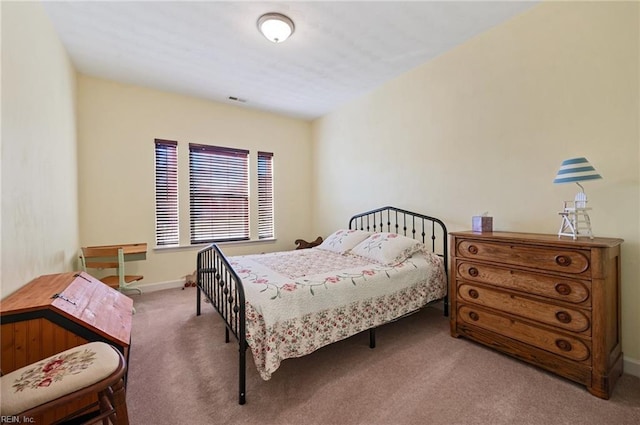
219,193
265,195
166,192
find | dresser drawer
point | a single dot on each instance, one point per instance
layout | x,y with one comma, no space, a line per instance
558,288
565,318
545,258
555,342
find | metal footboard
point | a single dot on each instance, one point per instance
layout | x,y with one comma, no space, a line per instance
217,280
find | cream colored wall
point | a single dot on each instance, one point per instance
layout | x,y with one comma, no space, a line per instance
485,127
117,125
39,175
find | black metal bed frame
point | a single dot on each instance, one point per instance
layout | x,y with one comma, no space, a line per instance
217,280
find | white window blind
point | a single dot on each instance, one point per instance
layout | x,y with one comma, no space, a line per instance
265,195
166,154
219,193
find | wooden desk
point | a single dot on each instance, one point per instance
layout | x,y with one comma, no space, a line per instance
131,251
108,257
56,312
87,311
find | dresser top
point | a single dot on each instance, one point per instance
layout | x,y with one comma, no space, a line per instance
547,239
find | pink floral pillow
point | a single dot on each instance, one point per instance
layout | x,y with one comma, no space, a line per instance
343,240
388,249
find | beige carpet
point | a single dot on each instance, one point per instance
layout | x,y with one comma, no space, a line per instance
182,372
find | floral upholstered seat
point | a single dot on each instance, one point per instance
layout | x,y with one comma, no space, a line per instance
58,376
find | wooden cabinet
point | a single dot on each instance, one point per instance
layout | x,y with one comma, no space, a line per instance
53,313
549,301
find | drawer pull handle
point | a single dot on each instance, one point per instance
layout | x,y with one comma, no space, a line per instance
473,249
563,344
563,317
473,272
473,316
473,293
563,289
563,260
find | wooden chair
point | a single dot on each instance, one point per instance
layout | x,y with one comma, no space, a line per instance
109,258
93,369
302,244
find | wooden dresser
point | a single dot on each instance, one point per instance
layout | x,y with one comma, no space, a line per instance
553,302
56,312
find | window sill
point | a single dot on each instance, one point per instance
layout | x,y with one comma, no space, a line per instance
203,245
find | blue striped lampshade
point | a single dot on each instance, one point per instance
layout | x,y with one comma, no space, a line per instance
576,170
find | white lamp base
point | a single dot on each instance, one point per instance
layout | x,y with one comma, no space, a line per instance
575,223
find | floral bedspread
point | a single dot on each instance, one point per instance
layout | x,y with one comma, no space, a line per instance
296,301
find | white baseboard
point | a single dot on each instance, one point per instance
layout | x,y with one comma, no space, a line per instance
159,286
631,366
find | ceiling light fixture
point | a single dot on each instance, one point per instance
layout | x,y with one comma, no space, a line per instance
275,27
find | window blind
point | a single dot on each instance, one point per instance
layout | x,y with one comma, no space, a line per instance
265,195
166,154
219,193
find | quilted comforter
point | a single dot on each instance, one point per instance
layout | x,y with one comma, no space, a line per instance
299,301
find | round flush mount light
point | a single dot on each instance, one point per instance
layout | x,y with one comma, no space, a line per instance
275,27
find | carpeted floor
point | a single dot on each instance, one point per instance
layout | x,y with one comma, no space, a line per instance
182,372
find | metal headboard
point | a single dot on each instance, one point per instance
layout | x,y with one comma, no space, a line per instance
414,225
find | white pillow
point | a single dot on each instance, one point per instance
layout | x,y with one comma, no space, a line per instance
388,249
343,240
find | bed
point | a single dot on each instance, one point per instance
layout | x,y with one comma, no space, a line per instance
387,264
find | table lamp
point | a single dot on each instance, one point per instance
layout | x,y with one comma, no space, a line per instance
575,219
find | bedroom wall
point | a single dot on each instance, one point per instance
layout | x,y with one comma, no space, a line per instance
485,127
39,174
117,125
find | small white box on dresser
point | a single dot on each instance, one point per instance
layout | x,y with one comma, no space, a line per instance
481,223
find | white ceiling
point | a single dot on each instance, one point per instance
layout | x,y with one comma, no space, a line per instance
213,50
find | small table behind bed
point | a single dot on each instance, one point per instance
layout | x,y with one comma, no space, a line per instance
220,283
